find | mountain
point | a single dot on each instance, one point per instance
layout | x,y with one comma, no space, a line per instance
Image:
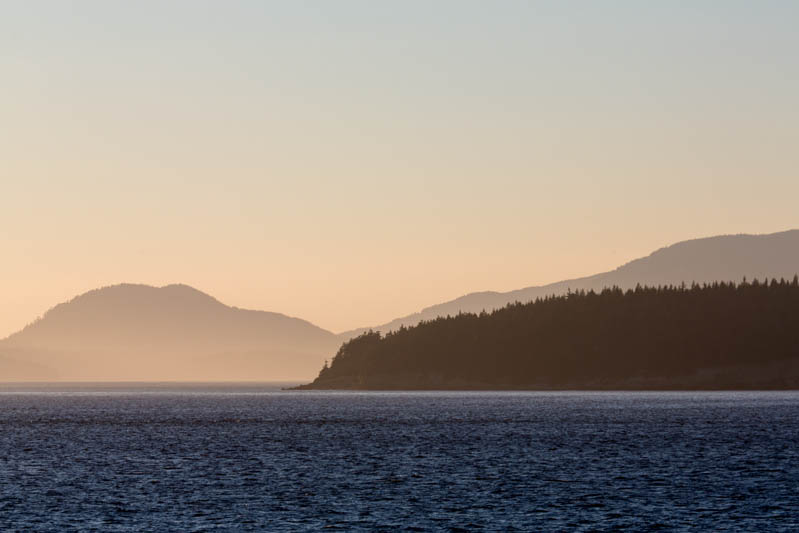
721,258
715,336
138,332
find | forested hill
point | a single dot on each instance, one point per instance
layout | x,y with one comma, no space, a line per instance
717,336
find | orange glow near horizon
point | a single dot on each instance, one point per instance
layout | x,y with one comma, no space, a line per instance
349,164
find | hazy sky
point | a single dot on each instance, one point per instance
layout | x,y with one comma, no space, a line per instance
349,162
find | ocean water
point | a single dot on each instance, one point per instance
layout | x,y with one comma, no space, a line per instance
219,458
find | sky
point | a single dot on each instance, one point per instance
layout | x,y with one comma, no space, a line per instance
350,162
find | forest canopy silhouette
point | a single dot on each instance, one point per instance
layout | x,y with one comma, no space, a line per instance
719,335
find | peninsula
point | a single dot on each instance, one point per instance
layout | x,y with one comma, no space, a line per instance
711,336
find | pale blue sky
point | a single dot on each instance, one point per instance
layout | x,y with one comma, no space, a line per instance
350,162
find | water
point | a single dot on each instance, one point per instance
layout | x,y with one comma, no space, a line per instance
207,458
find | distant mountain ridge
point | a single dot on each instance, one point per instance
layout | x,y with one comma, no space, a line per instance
719,258
175,332
139,332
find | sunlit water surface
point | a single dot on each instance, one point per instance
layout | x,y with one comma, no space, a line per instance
222,458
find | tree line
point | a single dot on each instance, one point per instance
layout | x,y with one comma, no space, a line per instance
584,338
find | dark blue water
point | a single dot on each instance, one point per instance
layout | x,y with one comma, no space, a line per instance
217,459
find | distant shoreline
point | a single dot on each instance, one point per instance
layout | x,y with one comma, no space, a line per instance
144,386
720,336
495,388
